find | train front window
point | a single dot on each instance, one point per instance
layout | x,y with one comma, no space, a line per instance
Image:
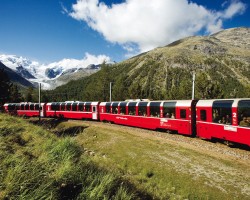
132,108
244,113
142,108
123,108
155,109
169,109
222,112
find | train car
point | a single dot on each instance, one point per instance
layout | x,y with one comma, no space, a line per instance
176,116
225,119
73,110
28,109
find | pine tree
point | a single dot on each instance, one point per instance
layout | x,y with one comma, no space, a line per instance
5,87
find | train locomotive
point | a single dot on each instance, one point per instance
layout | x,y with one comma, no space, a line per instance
223,119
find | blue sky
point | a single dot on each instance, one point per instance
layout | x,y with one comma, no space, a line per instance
50,30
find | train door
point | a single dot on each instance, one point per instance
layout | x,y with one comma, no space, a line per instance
42,109
94,112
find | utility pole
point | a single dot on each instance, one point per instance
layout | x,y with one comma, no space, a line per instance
193,90
39,93
110,91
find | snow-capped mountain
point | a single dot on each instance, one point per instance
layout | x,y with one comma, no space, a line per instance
47,74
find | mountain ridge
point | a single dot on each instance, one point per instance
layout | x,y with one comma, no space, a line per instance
220,61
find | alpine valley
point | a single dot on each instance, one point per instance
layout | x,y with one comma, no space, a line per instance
50,75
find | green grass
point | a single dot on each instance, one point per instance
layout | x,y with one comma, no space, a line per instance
164,170
81,160
36,164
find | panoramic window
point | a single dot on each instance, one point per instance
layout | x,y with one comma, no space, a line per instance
123,108
155,109
22,106
142,108
222,112
244,113
32,106
63,106
68,106
88,107
115,108
169,109
37,106
107,107
74,107
81,107
132,108
27,106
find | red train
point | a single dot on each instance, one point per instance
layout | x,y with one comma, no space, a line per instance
225,119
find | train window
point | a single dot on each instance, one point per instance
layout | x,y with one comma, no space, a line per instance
155,109
108,107
115,108
183,113
244,113
26,107
74,106
81,107
88,107
203,114
132,108
169,109
68,106
222,112
37,106
17,106
63,106
123,108
142,108
57,106
32,106
11,107
22,106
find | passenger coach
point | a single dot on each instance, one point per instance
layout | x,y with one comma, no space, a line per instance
73,110
176,116
226,119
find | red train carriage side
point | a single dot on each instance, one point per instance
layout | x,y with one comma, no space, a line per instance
168,115
227,119
73,110
26,109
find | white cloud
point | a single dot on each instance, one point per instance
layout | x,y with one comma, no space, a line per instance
150,24
234,8
74,63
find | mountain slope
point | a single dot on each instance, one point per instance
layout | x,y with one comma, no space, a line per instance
220,61
14,77
53,74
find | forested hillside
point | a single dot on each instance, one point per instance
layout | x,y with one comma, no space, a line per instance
221,63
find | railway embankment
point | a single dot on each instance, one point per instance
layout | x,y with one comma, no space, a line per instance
93,160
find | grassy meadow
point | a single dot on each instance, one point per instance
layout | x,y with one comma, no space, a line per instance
86,160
